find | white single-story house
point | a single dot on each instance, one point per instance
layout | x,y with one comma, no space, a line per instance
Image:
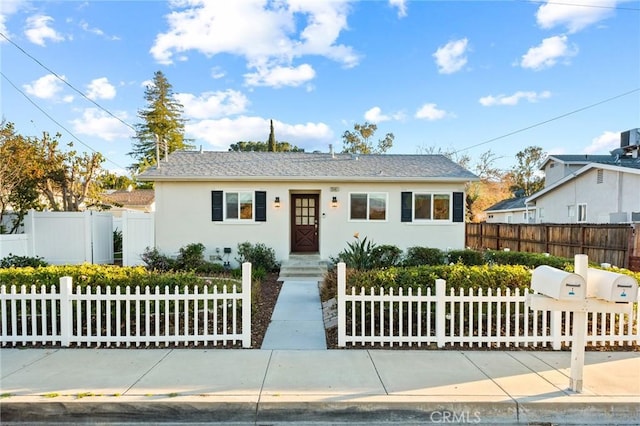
297,202
512,210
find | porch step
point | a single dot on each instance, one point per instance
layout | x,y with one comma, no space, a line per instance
309,266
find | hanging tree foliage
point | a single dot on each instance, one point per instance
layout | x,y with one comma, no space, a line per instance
162,129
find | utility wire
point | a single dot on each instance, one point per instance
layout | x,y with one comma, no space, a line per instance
55,121
66,82
540,123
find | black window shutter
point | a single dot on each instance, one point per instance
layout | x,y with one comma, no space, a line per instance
407,208
216,206
261,206
458,206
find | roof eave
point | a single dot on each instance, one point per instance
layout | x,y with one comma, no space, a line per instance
304,179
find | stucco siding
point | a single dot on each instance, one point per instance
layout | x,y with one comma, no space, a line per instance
183,216
615,192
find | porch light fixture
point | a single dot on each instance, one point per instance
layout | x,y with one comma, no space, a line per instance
276,203
334,201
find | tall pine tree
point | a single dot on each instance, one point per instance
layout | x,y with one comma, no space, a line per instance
272,139
162,129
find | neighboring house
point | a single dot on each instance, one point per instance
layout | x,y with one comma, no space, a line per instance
591,188
513,210
307,202
141,200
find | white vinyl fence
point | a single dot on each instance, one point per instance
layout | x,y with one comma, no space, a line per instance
490,319
149,317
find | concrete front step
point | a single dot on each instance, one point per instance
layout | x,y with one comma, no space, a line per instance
303,266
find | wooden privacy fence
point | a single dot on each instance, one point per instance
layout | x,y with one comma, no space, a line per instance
616,244
93,317
472,319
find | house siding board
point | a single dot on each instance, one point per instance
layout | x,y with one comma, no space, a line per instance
186,206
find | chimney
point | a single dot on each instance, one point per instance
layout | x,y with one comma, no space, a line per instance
333,155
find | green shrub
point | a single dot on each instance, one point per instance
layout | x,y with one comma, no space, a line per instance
104,276
417,256
530,260
156,261
457,276
466,257
190,257
259,255
385,256
13,261
117,241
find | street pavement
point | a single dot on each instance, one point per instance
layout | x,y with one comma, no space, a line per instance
303,383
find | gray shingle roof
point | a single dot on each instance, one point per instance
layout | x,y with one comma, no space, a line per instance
613,160
219,165
508,204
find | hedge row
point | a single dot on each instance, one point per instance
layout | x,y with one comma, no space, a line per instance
102,275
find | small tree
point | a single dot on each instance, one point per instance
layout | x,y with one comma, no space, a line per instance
526,175
359,141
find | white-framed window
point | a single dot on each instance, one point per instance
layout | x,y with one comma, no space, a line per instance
431,206
509,218
599,176
582,213
571,210
541,212
238,205
368,206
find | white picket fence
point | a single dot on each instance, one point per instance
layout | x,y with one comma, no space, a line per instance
144,317
490,319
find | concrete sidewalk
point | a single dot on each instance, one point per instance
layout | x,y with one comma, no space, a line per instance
325,386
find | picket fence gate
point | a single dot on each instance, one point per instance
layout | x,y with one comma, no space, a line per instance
481,319
94,317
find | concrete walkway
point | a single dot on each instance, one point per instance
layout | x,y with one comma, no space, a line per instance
296,323
325,386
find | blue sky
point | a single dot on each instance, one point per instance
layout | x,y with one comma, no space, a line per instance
468,76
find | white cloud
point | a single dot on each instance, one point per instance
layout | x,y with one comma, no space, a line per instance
452,57
604,143
46,87
548,53
514,99
100,88
97,31
226,131
217,73
431,112
281,76
146,84
213,104
7,8
375,115
401,5
95,122
575,15
38,30
269,35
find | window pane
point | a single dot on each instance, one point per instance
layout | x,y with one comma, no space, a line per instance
441,207
232,205
246,205
358,206
377,207
422,209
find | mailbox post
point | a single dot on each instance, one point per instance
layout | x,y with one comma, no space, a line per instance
586,290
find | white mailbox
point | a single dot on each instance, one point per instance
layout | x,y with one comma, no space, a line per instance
611,286
558,284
